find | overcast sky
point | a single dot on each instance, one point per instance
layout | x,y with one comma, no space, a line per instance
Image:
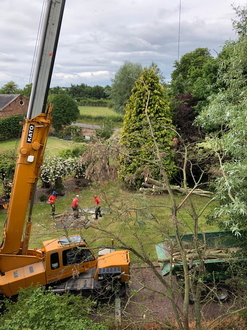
97,36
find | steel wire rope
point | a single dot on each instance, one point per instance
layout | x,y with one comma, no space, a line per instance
37,41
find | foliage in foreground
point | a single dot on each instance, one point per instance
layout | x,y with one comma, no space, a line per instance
42,310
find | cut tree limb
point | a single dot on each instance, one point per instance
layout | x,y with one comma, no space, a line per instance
154,186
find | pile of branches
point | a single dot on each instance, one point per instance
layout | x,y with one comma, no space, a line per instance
156,187
193,255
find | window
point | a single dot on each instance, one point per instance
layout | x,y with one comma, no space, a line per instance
77,255
21,102
54,261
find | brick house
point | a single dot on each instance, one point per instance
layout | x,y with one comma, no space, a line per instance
13,104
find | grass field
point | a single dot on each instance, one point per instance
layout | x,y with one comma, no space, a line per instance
53,148
95,115
97,111
139,220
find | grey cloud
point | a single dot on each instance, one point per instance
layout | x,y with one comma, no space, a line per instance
98,36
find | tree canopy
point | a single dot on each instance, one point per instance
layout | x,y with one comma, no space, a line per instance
10,88
225,121
65,111
123,83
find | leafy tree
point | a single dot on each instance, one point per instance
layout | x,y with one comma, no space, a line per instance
184,117
57,90
27,90
123,83
240,24
65,111
188,70
225,119
40,309
107,91
84,91
97,92
147,119
10,88
189,135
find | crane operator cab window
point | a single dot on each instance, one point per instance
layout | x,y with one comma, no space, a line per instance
54,261
77,255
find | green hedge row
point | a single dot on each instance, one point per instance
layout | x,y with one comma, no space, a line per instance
115,119
10,127
93,102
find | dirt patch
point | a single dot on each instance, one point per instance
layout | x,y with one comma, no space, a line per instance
147,301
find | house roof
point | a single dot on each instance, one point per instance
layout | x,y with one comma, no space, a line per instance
6,99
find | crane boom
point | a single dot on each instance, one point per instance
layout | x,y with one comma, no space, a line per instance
34,134
46,57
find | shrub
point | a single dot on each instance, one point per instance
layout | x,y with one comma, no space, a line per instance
10,127
40,309
43,198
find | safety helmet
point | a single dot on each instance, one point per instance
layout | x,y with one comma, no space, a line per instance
54,192
77,196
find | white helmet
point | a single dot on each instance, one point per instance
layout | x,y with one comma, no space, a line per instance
77,196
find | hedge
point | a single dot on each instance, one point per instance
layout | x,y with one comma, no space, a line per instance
10,127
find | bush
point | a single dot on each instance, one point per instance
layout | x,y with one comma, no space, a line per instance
73,152
40,309
7,164
106,130
43,198
10,127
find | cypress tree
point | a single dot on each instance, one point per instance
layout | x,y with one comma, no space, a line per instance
147,106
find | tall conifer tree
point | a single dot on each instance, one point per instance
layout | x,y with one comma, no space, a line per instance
147,133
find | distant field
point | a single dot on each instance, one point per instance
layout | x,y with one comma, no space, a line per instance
97,111
93,115
53,148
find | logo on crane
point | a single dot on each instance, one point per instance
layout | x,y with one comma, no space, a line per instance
30,133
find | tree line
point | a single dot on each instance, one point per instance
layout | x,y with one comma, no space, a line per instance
78,92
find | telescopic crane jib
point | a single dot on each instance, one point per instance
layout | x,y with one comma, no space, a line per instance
56,262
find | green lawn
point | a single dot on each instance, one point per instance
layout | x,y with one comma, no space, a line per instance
95,115
139,220
53,148
97,111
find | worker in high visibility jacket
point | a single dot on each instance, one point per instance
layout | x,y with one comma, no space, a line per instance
75,206
52,200
97,207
